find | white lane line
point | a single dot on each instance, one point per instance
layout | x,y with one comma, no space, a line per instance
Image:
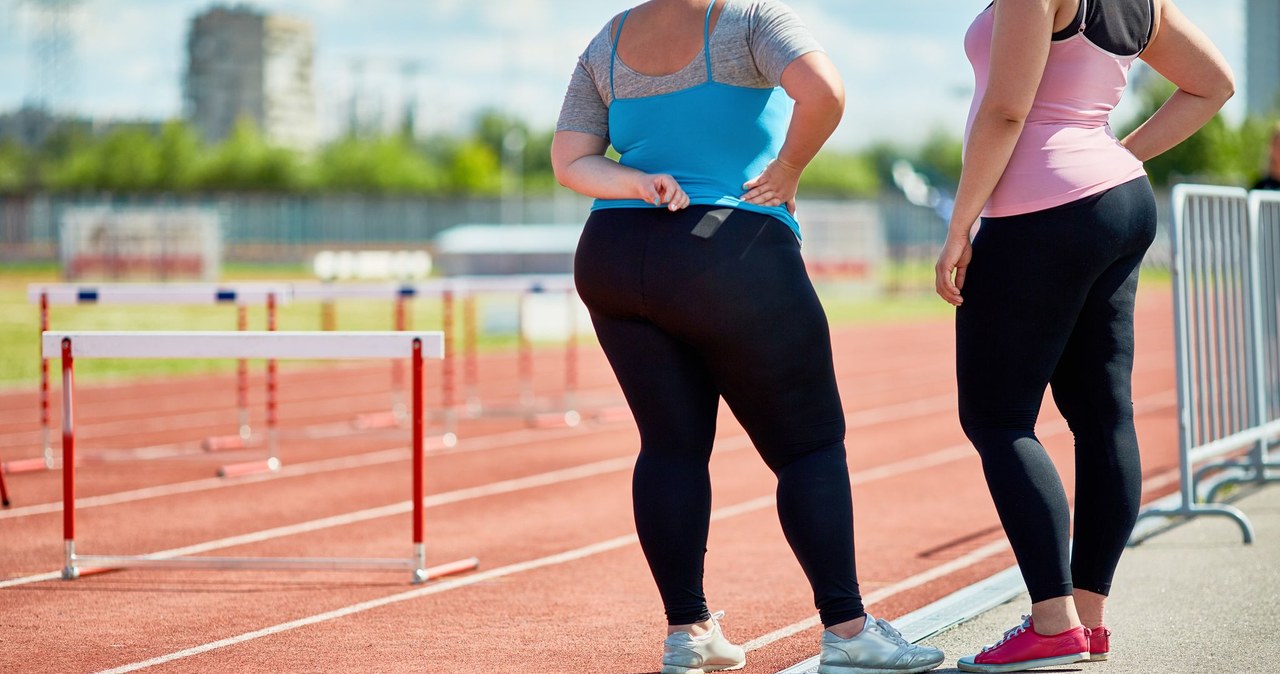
861,477
954,609
443,586
857,419
941,571
565,475
342,463
940,457
882,472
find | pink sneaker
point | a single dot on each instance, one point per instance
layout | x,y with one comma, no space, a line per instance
1099,643
1021,648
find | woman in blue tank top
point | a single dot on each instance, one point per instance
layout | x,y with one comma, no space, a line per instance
690,265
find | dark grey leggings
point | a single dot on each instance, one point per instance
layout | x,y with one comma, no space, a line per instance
686,319
1048,301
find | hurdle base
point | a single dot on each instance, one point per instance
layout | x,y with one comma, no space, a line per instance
27,465
376,420
443,441
568,419
107,563
224,443
610,415
421,576
250,468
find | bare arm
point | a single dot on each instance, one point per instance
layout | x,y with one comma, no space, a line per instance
1019,52
1184,55
579,164
813,82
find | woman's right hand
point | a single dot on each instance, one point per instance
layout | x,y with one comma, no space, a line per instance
955,257
661,189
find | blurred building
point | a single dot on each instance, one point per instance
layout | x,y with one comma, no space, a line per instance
1262,45
244,63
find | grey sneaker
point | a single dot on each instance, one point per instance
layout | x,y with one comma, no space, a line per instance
877,649
683,653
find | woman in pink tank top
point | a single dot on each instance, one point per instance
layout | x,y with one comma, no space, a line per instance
1045,288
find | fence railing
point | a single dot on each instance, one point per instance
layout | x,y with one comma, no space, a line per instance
886,241
1226,286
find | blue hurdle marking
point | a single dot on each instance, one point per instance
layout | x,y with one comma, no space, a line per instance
407,291
225,295
87,295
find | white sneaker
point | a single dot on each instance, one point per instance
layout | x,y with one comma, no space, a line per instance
683,653
877,649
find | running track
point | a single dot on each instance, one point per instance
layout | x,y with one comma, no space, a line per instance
562,584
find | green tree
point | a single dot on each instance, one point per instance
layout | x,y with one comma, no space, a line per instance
940,158
244,161
180,151
474,168
14,167
1255,146
1212,154
128,160
840,174
390,164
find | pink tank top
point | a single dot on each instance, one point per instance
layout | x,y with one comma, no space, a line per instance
1067,150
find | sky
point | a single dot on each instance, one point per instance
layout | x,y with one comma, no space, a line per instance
902,60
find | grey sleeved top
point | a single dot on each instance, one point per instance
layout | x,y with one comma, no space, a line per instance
751,44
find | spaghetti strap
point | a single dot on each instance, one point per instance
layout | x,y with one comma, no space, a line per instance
706,40
613,57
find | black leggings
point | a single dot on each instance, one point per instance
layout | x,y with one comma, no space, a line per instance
1048,300
685,319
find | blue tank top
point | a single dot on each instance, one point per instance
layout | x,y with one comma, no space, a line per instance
712,138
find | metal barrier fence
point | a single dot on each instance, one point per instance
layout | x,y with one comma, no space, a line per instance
1226,249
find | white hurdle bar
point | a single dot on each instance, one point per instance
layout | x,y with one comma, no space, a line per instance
242,295
415,346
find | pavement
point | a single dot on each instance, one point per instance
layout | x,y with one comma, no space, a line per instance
1191,599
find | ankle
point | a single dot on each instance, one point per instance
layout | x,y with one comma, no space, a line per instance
1054,616
849,628
693,629
1091,607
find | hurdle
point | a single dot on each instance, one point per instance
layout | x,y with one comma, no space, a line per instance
452,291
1221,275
4,491
243,295
525,286
414,346
400,294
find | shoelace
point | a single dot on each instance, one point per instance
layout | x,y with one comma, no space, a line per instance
1010,634
890,631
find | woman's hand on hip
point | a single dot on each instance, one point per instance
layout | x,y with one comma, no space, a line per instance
661,189
776,186
955,257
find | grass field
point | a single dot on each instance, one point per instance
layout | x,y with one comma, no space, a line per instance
19,364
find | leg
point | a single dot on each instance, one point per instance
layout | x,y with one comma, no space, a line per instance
675,407
1093,390
672,398
1022,296
766,341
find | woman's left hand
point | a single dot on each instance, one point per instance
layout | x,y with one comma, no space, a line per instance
954,259
776,186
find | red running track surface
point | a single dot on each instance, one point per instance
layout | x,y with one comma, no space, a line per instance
562,584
